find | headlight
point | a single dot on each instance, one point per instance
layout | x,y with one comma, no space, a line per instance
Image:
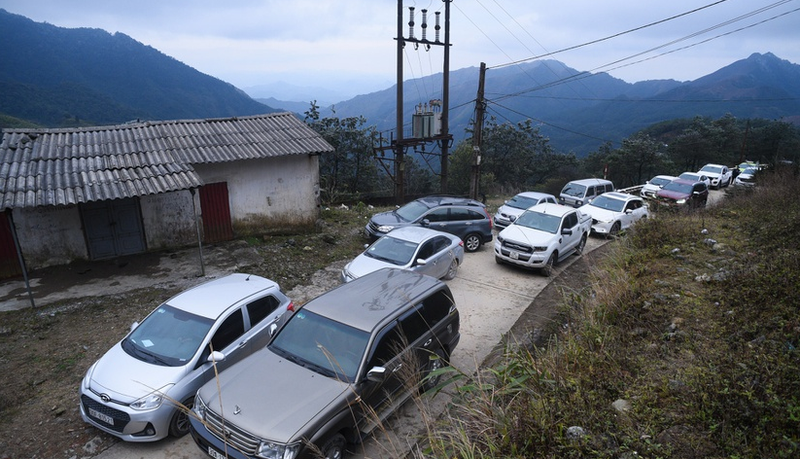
199,407
385,228
540,249
86,384
681,201
152,400
270,450
500,239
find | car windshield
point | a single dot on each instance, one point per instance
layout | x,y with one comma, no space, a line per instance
714,169
684,188
323,345
659,181
522,202
604,202
573,189
392,250
539,221
411,211
169,336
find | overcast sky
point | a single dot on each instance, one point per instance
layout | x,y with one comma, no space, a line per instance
349,45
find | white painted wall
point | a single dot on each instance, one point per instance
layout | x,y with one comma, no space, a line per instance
281,191
168,220
50,235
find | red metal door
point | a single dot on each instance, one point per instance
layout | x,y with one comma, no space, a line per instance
216,212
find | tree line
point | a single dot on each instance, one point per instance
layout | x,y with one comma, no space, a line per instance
517,157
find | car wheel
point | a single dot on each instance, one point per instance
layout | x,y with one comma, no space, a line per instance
472,242
436,360
581,246
452,270
333,448
614,231
547,269
179,424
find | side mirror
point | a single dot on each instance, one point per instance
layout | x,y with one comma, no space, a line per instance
512,218
216,356
376,374
628,211
134,325
566,231
421,262
273,328
426,222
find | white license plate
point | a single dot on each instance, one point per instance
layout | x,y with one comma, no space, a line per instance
103,417
215,454
513,255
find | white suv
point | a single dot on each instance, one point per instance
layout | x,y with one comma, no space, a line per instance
720,175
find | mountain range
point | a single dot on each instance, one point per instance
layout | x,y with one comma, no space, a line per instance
54,77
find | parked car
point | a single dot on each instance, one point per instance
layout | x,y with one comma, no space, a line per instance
578,192
466,218
614,212
696,177
415,248
343,362
719,175
683,193
133,390
747,177
654,184
542,236
512,208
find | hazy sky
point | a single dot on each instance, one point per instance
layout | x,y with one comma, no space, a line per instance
349,45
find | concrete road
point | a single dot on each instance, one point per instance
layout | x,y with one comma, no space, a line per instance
490,298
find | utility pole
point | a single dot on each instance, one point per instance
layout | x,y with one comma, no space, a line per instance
480,108
429,125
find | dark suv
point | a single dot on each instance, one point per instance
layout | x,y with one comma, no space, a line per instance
464,217
342,363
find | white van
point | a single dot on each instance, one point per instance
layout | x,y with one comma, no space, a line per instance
578,192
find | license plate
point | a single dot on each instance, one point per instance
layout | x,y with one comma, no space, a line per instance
103,417
513,255
215,454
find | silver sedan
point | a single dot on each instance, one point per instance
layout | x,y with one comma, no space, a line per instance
435,253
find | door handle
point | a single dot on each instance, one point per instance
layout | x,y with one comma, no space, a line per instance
398,367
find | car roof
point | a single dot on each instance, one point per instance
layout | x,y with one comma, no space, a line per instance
590,181
535,194
670,177
714,165
689,182
365,303
551,209
434,201
416,234
210,299
621,196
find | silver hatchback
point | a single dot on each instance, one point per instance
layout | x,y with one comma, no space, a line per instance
134,390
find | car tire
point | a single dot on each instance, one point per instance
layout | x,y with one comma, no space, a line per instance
547,269
452,270
333,448
179,424
435,361
472,242
581,246
614,231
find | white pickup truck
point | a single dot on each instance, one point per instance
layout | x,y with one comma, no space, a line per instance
542,236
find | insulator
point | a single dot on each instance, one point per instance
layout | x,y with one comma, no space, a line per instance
411,22
437,27
424,24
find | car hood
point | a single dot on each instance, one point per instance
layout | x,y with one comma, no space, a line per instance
127,379
271,397
526,235
675,195
510,211
601,215
388,218
363,264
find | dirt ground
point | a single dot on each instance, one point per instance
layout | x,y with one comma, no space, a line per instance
83,309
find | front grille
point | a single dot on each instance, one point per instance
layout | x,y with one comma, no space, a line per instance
121,418
518,247
230,434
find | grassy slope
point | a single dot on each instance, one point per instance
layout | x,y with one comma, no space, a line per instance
692,328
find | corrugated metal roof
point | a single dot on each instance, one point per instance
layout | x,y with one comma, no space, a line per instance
50,167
